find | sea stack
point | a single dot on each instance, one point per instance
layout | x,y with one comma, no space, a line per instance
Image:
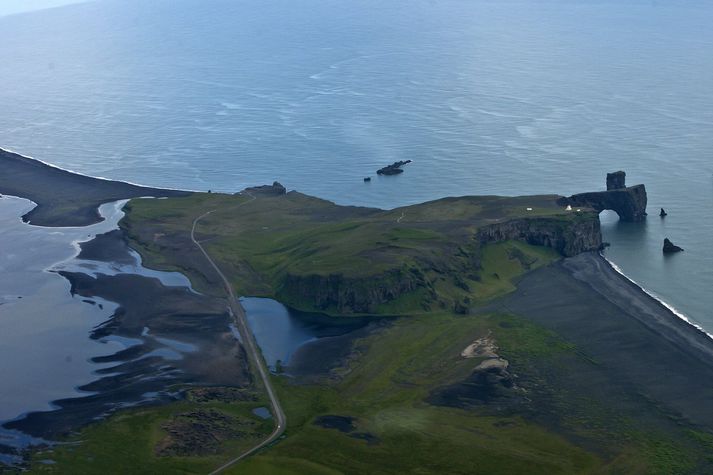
669,247
663,213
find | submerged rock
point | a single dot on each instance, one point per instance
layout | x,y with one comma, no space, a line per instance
669,247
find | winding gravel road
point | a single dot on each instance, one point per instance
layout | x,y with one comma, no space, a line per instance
238,313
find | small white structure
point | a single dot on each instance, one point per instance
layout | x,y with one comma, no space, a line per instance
569,207
529,209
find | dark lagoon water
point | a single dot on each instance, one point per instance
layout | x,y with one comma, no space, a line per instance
487,97
280,331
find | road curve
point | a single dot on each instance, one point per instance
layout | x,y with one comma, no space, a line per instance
238,312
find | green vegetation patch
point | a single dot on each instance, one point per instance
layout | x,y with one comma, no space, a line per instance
181,437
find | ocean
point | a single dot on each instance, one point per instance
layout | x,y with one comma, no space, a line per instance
486,97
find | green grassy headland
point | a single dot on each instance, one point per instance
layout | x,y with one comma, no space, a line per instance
392,389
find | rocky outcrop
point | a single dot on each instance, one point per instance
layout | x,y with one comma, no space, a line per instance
669,247
568,237
491,383
628,202
276,189
393,169
335,293
663,213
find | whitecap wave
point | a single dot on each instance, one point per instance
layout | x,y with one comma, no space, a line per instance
670,307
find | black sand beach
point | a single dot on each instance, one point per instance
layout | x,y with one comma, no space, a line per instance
64,198
644,348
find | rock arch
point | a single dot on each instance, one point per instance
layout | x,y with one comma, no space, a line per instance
628,202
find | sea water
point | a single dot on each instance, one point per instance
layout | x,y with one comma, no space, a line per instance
486,97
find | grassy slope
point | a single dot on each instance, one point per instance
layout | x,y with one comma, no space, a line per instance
386,388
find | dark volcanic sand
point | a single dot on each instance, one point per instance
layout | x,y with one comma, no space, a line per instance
639,347
107,247
64,198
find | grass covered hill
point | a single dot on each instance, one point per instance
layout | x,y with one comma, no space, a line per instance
314,255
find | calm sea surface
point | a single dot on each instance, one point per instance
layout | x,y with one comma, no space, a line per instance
494,97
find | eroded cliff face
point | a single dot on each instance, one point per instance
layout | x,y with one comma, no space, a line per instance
569,238
336,293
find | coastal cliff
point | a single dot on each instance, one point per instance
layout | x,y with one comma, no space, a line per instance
336,293
569,238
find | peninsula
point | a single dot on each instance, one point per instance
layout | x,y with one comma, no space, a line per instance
496,332
64,198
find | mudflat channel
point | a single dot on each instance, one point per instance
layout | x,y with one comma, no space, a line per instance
161,335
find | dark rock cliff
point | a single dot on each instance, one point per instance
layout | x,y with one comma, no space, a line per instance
335,293
569,238
628,202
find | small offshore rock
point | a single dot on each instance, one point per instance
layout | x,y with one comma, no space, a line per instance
669,247
663,213
367,179
394,168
